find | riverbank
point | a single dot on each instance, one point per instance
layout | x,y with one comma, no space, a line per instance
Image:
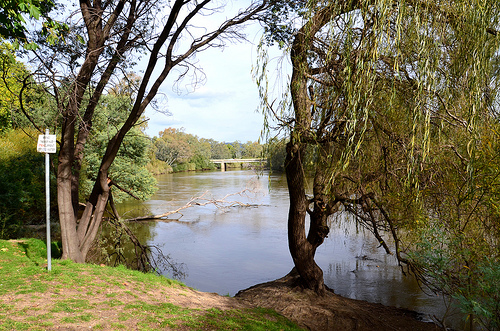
77,296
84,296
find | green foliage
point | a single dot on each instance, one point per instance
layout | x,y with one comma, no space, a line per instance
12,74
12,22
129,168
22,184
219,150
16,81
252,150
157,167
185,152
276,153
457,247
81,292
181,167
398,104
13,25
173,146
455,267
280,21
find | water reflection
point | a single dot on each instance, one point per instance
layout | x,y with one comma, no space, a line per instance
226,251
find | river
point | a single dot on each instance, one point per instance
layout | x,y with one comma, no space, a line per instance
226,250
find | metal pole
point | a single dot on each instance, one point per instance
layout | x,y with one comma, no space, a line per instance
47,203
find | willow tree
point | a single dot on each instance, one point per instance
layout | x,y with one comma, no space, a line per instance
104,40
386,93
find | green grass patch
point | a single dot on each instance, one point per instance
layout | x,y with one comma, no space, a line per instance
10,324
114,303
161,308
118,326
5,308
71,306
71,289
43,318
258,319
77,318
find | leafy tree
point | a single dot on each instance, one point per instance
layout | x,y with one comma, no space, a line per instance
390,99
275,151
12,83
13,13
235,149
177,148
9,85
251,150
128,173
171,147
22,184
110,34
202,154
219,150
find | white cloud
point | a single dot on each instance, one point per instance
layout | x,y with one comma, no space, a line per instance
225,106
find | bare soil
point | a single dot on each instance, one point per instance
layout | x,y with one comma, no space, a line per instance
108,307
330,312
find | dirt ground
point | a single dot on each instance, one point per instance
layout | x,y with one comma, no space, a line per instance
331,312
305,308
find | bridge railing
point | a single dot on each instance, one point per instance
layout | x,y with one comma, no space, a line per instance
223,162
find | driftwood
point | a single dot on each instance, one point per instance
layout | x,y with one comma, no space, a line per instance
202,200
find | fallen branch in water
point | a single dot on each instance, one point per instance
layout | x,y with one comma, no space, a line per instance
202,200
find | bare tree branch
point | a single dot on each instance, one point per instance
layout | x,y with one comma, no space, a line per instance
202,200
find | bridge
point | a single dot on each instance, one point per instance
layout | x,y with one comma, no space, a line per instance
223,162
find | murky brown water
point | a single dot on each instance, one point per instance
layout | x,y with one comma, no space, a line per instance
226,251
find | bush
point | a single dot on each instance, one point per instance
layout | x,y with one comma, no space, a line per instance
22,184
202,163
184,167
157,167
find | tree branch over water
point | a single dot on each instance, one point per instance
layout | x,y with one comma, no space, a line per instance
205,199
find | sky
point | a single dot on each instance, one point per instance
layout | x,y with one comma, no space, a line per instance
226,106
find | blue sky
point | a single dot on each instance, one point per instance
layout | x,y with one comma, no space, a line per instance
226,106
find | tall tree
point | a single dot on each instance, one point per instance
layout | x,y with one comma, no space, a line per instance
375,88
111,33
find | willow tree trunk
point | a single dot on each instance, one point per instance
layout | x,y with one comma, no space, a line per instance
301,249
306,132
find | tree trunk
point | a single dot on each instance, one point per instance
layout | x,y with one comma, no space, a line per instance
77,236
302,247
301,250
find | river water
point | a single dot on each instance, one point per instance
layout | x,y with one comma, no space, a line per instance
229,249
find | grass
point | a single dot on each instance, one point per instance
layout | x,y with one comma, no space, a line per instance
78,296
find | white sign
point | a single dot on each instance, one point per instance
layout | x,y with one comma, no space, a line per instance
46,143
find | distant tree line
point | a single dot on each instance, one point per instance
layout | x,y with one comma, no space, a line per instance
183,151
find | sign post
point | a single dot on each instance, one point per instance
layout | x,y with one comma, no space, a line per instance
47,144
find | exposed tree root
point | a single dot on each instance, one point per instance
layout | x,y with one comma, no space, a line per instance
329,311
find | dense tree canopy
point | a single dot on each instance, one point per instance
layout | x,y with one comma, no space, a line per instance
398,102
22,183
